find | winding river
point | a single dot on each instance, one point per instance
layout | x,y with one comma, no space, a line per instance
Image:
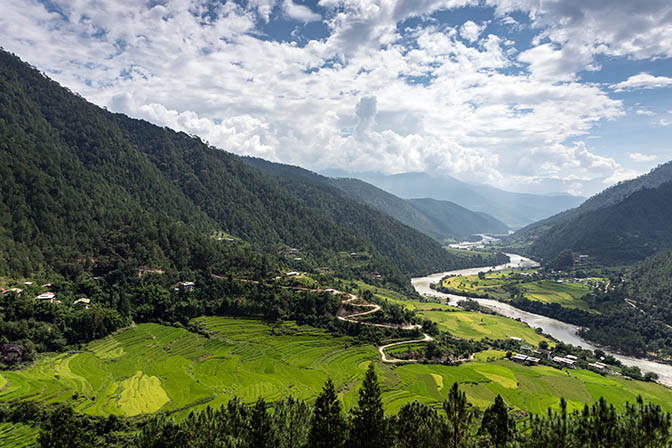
561,331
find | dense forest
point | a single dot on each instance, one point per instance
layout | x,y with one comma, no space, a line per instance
293,423
74,177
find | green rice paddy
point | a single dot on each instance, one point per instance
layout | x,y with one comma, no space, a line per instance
152,368
478,326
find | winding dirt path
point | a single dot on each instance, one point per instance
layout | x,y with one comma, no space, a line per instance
348,299
375,308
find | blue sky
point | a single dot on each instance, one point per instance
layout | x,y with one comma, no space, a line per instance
527,95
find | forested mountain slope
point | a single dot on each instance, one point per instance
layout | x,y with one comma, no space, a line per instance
624,232
412,251
458,220
439,219
79,183
595,227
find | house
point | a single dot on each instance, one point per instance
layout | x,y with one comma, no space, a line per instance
564,361
27,283
291,274
18,291
293,251
297,259
519,358
572,357
11,353
187,286
527,348
598,365
47,296
517,339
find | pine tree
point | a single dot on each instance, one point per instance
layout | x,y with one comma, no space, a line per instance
328,425
63,430
459,416
368,427
419,426
262,432
291,419
497,423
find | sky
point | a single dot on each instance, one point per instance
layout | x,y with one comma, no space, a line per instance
527,95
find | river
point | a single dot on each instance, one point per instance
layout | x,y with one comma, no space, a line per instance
561,331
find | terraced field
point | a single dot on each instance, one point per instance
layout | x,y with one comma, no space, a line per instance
17,435
153,367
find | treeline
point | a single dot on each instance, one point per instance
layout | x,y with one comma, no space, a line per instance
293,423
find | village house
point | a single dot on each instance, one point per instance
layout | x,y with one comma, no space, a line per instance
598,365
187,286
542,352
47,297
564,361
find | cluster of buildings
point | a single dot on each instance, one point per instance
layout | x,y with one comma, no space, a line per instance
537,354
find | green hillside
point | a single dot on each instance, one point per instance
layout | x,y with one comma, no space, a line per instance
621,224
154,367
624,232
410,250
80,182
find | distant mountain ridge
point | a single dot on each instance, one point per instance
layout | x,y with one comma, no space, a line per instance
513,209
624,223
439,219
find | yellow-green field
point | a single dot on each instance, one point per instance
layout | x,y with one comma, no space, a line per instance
478,326
567,293
549,291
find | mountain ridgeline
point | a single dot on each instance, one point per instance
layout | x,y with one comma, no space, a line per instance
513,209
83,188
439,219
623,224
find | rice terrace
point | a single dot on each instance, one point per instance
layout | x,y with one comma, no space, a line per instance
152,368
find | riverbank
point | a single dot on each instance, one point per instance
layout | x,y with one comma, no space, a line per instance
564,332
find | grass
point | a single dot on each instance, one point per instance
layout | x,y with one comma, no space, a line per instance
153,367
478,326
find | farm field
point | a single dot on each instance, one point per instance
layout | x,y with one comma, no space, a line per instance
471,325
153,367
566,293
